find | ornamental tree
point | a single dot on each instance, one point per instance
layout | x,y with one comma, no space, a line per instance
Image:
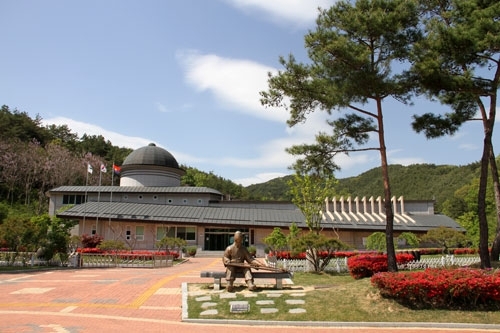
319,249
446,238
352,53
458,63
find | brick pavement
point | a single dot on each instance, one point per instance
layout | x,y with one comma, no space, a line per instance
130,300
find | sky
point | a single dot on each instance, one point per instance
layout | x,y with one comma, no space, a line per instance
186,75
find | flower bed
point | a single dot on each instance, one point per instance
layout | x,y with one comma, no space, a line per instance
129,254
362,266
322,254
463,288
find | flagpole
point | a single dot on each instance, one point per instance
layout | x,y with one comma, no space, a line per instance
85,203
98,201
111,195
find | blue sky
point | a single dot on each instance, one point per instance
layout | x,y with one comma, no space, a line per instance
186,75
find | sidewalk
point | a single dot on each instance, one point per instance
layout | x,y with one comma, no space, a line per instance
134,300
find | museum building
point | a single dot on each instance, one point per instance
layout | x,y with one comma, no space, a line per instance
150,204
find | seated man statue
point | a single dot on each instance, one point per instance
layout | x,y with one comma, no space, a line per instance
237,254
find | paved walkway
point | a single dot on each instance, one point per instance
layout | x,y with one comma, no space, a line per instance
131,300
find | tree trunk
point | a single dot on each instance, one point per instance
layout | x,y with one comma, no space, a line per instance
495,248
389,214
484,254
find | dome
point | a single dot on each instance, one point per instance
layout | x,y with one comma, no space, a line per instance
150,166
151,155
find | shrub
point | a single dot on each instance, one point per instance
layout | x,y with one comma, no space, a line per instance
109,245
252,250
462,288
191,250
91,241
362,266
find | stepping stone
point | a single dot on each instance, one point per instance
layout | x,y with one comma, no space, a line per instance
298,310
268,310
250,295
226,296
209,313
208,304
203,299
298,294
197,293
264,302
274,295
295,301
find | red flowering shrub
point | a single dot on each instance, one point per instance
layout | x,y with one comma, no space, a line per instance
289,255
367,265
324,254
90,250
430,251
91,241
464,251
462,288
125,254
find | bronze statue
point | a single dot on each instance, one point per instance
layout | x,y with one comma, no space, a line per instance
234,258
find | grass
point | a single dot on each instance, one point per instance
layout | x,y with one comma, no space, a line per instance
337,298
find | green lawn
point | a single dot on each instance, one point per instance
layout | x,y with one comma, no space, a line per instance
335,298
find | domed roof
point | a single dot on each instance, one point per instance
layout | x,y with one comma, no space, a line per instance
151,155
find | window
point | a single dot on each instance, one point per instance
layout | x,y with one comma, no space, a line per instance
140,197
169,201
186,233
94,231
185,201
155,197
73,199
139,232
164,232
200,201
128,233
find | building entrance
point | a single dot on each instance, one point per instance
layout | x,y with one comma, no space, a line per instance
217,239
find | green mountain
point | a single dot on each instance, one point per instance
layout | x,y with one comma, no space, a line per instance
413,182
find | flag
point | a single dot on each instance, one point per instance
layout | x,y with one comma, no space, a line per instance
116,169
89,168
103,168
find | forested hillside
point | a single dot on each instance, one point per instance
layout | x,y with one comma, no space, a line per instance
414,182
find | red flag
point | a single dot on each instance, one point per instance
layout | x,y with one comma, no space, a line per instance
116,169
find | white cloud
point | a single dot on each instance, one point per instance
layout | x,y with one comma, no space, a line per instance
132,142
233,82
160,107
81,128
468,146
407,160
301,12
259,178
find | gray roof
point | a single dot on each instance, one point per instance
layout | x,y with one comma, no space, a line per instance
186,214
237,216
135,189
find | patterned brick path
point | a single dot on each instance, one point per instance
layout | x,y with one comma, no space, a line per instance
126,300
